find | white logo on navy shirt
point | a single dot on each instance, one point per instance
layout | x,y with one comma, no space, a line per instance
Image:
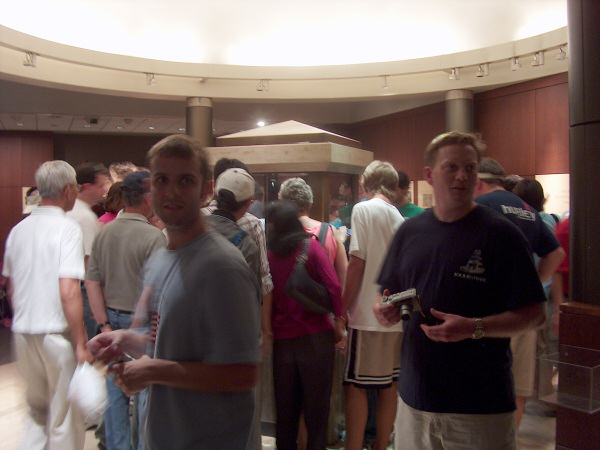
473,268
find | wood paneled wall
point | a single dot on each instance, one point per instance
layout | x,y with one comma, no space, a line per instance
79,148
20,156
525,127
401,138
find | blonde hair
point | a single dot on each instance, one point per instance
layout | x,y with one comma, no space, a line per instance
380,177
453,138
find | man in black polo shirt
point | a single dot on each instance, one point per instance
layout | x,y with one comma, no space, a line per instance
478,286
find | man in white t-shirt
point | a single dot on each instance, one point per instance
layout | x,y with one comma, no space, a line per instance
93,182
43,262
373,358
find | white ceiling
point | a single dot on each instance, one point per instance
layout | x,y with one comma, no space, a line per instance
307,60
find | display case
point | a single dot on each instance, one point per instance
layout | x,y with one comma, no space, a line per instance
329,163
574,373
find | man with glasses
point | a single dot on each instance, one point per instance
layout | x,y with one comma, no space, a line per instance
93,184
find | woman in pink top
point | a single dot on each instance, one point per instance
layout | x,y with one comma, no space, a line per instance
303,342
112,204
297,191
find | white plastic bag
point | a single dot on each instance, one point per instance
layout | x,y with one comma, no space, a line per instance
87,392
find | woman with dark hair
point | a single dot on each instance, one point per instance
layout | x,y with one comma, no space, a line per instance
532,193
303,342
113,203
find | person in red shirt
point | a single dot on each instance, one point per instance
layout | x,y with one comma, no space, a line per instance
560,279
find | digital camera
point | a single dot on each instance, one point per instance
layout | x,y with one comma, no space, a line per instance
408,301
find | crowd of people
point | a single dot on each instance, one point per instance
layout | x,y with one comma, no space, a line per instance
183,293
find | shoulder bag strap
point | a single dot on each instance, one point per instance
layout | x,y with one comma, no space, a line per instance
303,255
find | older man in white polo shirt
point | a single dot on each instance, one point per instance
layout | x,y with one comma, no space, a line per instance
44,265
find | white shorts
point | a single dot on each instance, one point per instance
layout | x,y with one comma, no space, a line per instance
416,429
523,348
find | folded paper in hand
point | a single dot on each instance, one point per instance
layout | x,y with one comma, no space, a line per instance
87,392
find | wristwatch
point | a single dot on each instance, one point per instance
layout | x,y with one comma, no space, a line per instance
479,331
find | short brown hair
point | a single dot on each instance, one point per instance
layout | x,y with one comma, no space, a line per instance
87,172
180,146
453,138
114,198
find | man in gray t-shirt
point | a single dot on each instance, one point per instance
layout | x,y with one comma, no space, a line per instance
205,319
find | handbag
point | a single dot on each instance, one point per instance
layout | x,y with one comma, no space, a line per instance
311,294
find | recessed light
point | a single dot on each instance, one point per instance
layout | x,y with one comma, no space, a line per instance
260,123
120,127
152,128
181,129
87,125
20,124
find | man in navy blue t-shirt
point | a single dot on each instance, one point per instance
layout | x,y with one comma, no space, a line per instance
490,192
478,286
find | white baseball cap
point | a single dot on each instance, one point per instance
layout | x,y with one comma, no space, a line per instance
238,181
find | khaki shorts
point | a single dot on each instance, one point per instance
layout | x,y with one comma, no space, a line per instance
373,359
416,429
523,347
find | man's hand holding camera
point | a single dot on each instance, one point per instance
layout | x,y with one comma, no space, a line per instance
387,315
390,309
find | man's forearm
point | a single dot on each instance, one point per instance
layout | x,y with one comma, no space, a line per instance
72,304
198,376
549,263
96,299
509,323
354,276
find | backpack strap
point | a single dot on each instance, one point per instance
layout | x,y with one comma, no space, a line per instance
237,239
323,233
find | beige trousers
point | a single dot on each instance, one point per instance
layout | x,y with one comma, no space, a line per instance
47,363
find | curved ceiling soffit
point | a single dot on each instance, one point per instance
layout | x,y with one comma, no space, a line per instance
67,67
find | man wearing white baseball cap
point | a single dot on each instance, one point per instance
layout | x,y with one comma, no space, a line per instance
234,191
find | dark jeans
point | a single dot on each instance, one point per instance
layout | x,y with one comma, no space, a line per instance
91,326
302,374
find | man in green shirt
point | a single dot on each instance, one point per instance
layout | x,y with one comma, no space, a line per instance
406,208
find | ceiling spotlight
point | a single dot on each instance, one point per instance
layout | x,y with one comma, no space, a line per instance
454,74
538,59
150,81
119,127
260,123
30,59
181,129
384,84
561,55
263,85
151,128
483,70
515,65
